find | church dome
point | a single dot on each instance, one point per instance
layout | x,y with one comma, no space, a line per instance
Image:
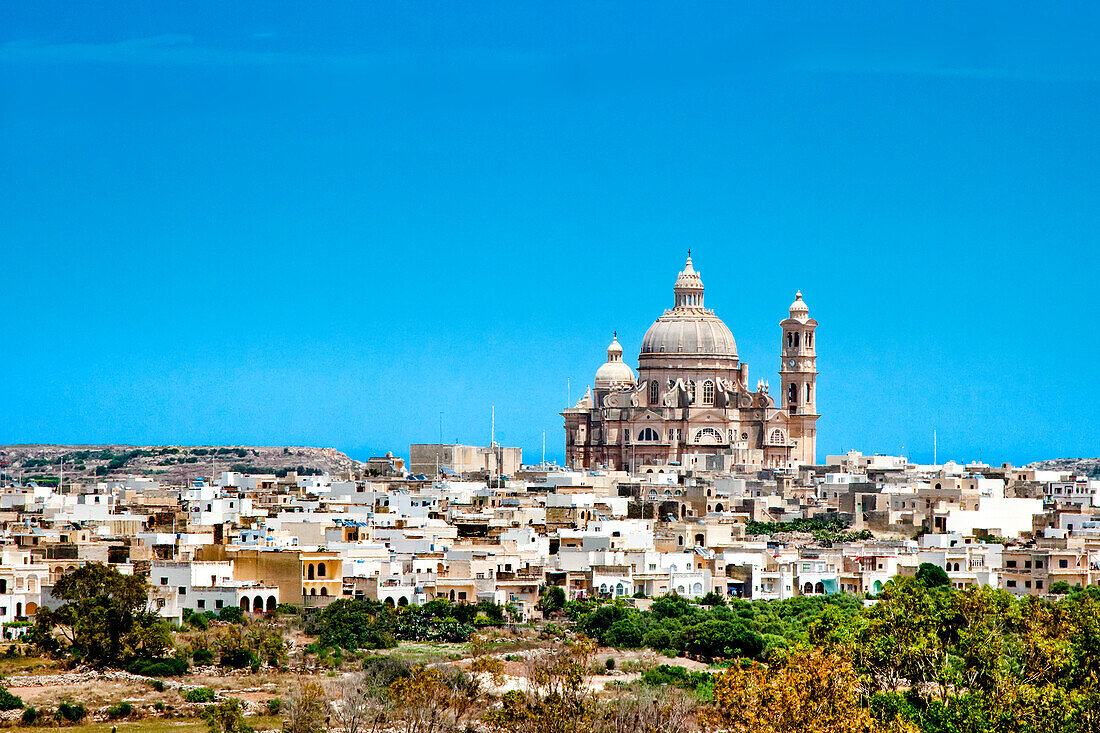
615,372
689,329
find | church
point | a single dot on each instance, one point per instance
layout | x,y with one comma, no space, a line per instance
691,396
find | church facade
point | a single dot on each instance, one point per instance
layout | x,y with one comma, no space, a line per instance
691,396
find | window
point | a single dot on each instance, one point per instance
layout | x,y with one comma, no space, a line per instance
201,603
1027,563
462,595
796,339
708,392
790,339
320,570
808,397
777,437
1038,585
792,394
653,392
1039,564
708,435
1010,564
1063,563
1011,584
182,591
164,581
691,391
809,340
648,435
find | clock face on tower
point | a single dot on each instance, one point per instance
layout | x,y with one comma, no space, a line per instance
791,363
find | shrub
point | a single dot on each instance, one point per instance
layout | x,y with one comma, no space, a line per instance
274,705
231,614
165,667
8,701
203,657
122,710
610,663
158,685
71,712
199,694
30,716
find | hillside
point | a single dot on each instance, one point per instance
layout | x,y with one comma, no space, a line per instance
1080,466
170,462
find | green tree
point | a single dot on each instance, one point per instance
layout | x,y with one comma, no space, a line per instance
226,717
104,620
933,576
552,600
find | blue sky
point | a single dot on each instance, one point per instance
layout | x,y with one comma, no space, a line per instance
267,224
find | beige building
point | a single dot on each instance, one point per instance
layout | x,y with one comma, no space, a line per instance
692,396
495,460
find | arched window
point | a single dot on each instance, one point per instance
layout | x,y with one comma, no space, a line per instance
691,391
272,604
708,436
792,394
648,435
777,437
244,604
808,588
808,393
790,339
809,339
320,570
653,392
708,392
309,573
258,604
324,591
796,339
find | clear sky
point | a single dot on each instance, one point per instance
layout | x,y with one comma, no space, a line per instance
325,225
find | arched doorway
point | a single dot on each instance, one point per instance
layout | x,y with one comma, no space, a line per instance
272,604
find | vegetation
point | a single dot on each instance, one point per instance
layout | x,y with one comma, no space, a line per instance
8,701
676,626
104,620
363,624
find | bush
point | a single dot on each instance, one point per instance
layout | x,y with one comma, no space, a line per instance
274,705
202,657
158,685
199,694
71,712
122,710
30,716
610,663
165,667
9,701
231,614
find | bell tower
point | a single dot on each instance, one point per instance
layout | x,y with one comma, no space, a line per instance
798,372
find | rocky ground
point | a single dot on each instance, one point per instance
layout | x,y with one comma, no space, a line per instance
1080,466
168,462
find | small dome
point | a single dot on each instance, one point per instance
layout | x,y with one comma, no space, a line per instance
799,309
615,372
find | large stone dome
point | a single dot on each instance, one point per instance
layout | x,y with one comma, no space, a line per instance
689,329
702,334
